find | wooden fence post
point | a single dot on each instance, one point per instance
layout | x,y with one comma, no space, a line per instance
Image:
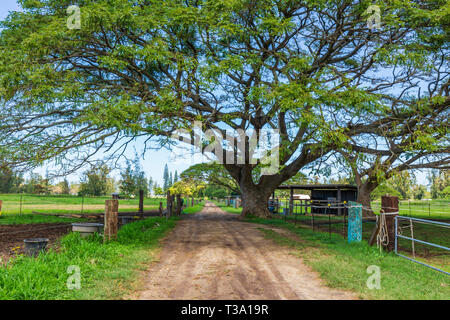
169,204
389,204
179,209
160,208
141,202
111,220
1,203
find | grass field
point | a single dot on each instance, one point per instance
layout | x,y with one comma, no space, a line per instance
435,209
228,209
25,204
35,219
194,209
344,265
108,271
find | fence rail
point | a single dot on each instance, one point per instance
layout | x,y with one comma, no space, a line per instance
397,236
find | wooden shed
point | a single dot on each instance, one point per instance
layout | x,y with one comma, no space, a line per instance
324,194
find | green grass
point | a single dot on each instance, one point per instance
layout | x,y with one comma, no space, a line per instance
34,219
435,209
228,209
194,209
344,265
16,203
107,270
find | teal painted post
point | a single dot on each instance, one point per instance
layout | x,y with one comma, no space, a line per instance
354,222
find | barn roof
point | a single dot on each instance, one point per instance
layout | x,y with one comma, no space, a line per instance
319,187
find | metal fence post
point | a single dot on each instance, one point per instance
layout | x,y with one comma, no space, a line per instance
396,233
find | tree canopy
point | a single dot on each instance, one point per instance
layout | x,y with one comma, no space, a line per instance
312,69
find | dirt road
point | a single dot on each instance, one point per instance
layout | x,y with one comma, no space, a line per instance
213,255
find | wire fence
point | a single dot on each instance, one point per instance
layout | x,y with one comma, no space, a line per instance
29,203
332,217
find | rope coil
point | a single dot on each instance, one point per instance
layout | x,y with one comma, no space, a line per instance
382,236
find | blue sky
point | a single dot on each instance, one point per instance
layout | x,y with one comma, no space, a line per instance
154,161
6,6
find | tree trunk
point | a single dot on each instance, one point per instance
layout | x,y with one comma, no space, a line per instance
364,198
255,202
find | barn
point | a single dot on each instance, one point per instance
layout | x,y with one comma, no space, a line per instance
324,194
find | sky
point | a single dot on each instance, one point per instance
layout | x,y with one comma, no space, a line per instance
154,161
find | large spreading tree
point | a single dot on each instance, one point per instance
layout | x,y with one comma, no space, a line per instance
313,69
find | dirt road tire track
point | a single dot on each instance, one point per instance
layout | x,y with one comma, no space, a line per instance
214,255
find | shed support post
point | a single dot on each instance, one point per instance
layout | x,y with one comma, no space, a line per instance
291,201
339,199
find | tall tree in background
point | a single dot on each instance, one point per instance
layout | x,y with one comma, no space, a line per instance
36,184
215,175
403,183
166,178
439,181
64,187
314,70
94,181
150,184
133,179
10,181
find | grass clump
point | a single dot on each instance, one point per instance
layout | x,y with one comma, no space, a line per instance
107,270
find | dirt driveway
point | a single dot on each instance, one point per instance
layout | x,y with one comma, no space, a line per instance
213,255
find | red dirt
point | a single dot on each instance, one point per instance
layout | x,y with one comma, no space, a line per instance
12,236
214,255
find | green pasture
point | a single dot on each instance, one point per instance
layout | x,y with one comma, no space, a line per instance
26,204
